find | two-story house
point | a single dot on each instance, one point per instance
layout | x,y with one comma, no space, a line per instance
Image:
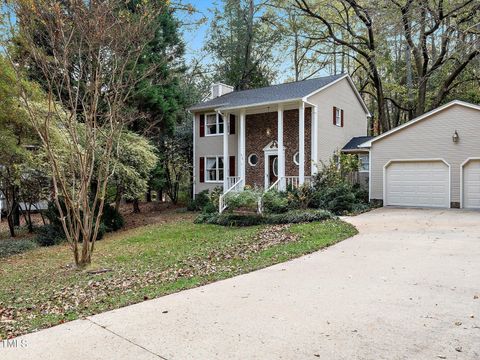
274,136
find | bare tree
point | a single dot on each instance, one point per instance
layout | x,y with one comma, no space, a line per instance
87,52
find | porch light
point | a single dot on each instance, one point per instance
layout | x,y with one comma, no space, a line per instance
455,137
269,131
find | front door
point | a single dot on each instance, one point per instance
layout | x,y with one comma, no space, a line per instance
272,168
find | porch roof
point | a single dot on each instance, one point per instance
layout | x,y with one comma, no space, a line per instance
354,144
271,94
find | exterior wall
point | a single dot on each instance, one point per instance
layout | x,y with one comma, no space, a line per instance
430,138
332,138
212,146
257,139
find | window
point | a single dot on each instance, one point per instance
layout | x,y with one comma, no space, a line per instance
363,163
275,167
296,158
253,159
214,124
214,169
338,117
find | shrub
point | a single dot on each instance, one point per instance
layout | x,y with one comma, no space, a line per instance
244,200
112,219
52,233
301,197
291,217
200,201
15,246
275,202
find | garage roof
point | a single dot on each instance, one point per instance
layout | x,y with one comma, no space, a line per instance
368,143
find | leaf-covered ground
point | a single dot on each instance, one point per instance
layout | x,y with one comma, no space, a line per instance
41,288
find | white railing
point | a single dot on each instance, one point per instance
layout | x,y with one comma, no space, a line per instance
290,182
232,180
275,185
237,186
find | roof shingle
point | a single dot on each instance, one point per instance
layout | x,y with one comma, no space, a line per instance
276,93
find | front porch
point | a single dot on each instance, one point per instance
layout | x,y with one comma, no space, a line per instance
276,149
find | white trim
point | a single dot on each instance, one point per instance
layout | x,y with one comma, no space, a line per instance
301,143
294,156
370,177
241,142
249,161
281,153
350,81
417,160
266,154
226,158
194,180
217,169
420,118
461,177
258,104
314,145
217,124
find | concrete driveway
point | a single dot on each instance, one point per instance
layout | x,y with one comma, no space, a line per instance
406,287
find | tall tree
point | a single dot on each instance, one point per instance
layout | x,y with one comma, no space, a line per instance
89,71
240,44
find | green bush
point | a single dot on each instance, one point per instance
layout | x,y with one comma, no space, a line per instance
245,200
300,197
49,235
275,202
112,219
15,246
52,233
291,217
201,200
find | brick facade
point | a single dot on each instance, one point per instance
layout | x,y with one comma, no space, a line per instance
256,133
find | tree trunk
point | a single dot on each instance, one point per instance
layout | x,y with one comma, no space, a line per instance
136,206
149,195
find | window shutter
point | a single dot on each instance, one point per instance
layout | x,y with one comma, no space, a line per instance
342,116
202,125
231,166
232,124
334,115
202,169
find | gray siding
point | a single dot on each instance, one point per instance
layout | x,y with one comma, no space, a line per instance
211,146
430,138
332,138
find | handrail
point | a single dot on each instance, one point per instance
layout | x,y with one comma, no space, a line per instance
274,185
221,200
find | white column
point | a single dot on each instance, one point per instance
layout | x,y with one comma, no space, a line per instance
226,162
241,141
314,137
301,143
281,152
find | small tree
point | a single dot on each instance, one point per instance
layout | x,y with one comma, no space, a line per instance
87,52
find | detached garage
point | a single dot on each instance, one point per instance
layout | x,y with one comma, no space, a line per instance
431,161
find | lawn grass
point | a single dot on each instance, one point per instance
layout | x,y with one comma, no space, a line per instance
41,288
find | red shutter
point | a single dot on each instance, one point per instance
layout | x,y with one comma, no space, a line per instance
202,169
232,124
202,125
342,116
334,115
231,166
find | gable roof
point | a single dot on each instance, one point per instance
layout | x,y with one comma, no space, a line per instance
272,94
419,118
355,142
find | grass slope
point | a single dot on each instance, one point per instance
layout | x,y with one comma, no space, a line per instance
38,289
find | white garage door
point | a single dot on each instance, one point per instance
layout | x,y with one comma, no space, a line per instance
471,185
417,183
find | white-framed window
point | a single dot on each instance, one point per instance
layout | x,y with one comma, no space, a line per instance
214,169
363,163
214,124
275,167
338,116
296,158
253,159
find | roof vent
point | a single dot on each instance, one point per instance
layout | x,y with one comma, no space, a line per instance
220,89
